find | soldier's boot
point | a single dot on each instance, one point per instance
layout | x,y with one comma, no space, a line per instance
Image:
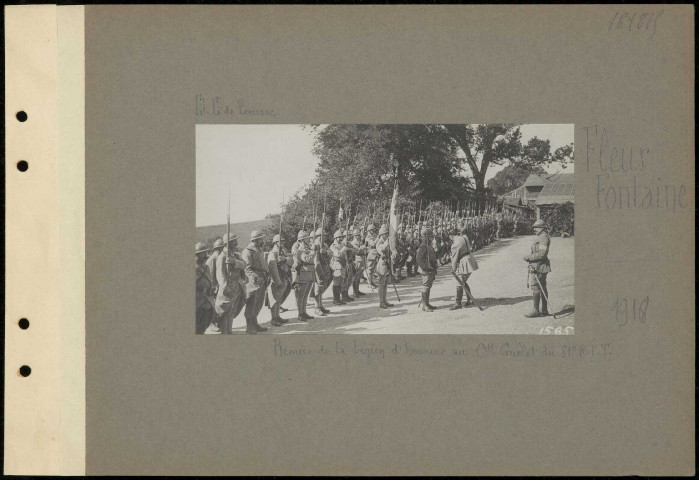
427,301
250,327
322,307
345,296
276,319
319,306
336,295
535,313
468,301
257,326
425,307
382,298
457,300
544,306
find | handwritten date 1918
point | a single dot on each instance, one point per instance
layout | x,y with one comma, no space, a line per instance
630,309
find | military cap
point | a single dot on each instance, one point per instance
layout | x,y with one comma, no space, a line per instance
383,230
427,231
319,232
338,234
233,238
255,235
218,243
276,238
201,248
539,224
302,235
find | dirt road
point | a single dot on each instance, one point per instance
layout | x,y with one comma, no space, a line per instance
499,284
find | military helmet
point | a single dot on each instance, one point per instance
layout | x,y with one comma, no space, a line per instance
255,235
302,235
338,234
232,238
539,224
276,238
319,232
218,243
201,248
427,231
371,228
383,230
312,234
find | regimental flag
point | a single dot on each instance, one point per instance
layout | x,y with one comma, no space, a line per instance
393,221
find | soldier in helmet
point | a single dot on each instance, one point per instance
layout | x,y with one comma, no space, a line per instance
349,275
460,250
372,255
427,266
211,267
323,274
311,242
258,280
338,263
278,280
539,268
304,266
204,309
230,273
360,251
383,269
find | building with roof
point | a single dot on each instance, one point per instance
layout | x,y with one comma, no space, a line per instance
540,191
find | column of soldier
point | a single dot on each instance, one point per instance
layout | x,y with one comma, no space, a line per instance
228,282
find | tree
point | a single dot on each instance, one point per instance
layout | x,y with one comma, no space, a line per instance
511,177
500,144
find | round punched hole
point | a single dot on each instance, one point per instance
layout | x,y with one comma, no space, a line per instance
23,323
22,166
25,371
22,116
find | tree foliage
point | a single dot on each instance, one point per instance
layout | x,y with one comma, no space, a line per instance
511,177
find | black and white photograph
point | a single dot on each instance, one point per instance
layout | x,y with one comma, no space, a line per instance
385,229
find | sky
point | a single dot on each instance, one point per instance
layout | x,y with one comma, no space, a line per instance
265,163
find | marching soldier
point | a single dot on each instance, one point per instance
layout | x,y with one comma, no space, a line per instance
304,266
383,269
278,285
204,308
427,266
539,267
258,280
349,274
460,251
311,242
360,252
323,274
285,264
211,267
230,275
372,255
338,263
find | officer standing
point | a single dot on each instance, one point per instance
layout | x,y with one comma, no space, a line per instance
360,252
204,308
372,255
304,266
258,280
427,266
322,272
349,274
230,298
278,280
460,250
338,263
383,269
539,267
